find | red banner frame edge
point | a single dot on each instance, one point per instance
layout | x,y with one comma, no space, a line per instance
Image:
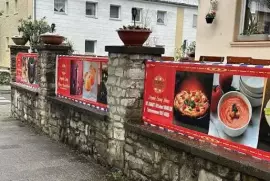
96,59
35,86
195,135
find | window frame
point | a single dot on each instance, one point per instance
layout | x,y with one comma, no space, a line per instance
16,7
96,9
195,23
7,8
239,27
66,8
119,12
7,43
141,14
165,17
95,45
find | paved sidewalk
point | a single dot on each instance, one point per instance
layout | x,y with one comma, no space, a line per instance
26,155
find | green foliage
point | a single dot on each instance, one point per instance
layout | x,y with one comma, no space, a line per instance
116,176
211,14
192,47
32,29
4,78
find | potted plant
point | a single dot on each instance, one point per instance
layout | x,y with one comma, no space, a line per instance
210,17
51,37
134,35
32,29
191,50
19,39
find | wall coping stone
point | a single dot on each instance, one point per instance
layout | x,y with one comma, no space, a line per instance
239,162
23,87
53,47
19,47
135,50
102,115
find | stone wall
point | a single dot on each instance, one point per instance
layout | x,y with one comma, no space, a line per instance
82,129
153,159
117,138
25,104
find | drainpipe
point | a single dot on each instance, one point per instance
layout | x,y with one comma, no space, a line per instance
34,9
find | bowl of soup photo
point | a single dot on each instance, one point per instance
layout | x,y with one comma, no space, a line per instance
234,113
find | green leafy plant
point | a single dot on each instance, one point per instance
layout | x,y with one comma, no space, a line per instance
32,29
253,25
211,14
192,47
116,176
69,43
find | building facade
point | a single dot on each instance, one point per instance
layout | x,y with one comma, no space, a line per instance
228,35
91,24
11,11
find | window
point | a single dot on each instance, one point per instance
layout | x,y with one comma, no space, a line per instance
7,8
60,6
91,9
161,15
160,46
139,15
15,6
90,46
7,42
195,17
255,18
115,12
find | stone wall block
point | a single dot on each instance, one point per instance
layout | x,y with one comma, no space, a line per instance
207,176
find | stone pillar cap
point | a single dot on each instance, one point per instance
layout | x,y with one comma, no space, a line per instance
135,50
22,47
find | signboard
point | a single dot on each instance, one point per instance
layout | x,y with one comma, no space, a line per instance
82,79
226,105
26,64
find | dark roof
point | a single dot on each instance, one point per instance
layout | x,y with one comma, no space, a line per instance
191,3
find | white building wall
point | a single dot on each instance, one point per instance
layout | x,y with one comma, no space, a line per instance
189,32
76,26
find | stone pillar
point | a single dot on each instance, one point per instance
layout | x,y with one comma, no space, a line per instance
125,87
46,68
14,50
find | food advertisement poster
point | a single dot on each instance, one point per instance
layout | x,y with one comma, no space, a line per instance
228,106
82,79
90,80
26,64
63,76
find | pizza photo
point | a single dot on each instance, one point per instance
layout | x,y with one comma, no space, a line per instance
192,100
193,104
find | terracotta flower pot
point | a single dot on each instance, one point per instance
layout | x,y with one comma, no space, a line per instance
19,40
209,20
133,37
52,39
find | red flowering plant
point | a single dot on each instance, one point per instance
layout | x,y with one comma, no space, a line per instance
211,14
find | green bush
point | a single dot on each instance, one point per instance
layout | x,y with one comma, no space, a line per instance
4,78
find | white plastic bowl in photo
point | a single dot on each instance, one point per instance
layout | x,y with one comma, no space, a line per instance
245,91
234,132
255,102
253,84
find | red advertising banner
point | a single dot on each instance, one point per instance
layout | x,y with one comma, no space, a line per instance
82,79
26,64
226,105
